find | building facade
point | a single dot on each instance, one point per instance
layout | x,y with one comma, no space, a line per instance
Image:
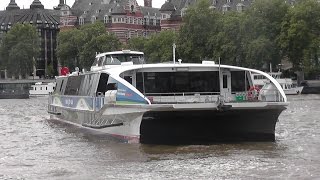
47,25
124,18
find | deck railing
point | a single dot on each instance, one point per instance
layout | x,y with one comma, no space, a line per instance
77,102
96,103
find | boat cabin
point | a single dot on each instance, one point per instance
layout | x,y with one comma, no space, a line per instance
122,77
110,59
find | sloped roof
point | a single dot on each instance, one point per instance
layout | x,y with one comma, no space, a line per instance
36,4
168,6
12,5
152,11
44,18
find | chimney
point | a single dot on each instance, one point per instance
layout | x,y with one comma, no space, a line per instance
148,3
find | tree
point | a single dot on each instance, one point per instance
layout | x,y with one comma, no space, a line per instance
18,49
68,48
262,24
227,42
199,25
159,47
137,43
300,35
99,44
78,47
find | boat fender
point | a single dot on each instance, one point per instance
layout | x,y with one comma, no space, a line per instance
253,93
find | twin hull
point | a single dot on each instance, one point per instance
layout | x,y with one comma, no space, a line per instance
179,124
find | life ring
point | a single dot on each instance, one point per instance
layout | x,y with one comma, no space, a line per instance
253,93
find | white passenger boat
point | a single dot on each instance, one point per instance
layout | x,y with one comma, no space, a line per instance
167,103
42,88
288,86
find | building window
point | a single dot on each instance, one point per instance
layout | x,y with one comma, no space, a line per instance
105,19
240,7
81,21
183,12
151,22
93,19
214,2
225,8
228,1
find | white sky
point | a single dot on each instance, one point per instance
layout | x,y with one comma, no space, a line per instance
49,4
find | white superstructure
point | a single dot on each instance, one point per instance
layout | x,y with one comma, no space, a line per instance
288,86
42,89
161,103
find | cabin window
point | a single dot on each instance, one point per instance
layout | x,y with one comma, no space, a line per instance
181,82
239,81
102,86
225,81
61,85
111,86
128,79
89,84
73,85
111,61
118,59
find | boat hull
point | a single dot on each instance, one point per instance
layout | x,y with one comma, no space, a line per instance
209,126
178,126
14,96
293,91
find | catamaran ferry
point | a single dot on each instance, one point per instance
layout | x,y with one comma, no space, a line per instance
181,103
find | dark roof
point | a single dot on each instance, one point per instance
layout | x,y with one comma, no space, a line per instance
12,5
44,18
152,11
168,6
100,8
119,9
36,4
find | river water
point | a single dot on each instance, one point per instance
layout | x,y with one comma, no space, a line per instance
33,147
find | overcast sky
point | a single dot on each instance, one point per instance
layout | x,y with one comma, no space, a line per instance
48,4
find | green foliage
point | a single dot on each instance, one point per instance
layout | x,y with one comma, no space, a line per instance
137,43
159,47
18,48
226,42
100,43
50,70
300,33
201,24
78,47
262,27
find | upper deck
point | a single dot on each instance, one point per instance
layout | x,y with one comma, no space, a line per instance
116,58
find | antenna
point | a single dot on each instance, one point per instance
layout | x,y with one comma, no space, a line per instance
174,52
220,75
